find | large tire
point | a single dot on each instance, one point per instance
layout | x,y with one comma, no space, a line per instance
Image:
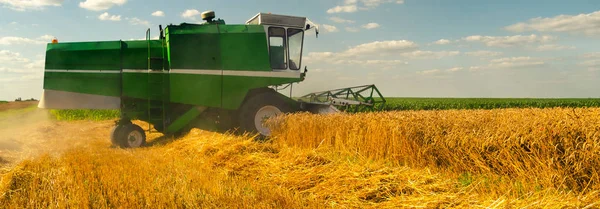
128,136
116,131
114,134
256,108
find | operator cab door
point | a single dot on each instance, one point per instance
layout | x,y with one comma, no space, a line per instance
285,48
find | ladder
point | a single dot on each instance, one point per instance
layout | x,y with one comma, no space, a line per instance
157,93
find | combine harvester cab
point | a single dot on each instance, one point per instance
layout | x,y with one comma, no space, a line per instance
215,75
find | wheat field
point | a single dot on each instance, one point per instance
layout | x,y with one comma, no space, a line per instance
506,158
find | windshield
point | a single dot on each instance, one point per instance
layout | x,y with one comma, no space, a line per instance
295,39
277,48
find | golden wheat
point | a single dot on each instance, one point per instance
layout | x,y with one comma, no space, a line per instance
557,148
439,159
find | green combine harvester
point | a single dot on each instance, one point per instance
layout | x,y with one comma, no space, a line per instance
228,76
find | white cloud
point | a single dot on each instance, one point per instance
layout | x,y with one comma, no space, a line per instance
592,55
14,70
137,21
340,20
190,14
516,62
106,16
158,14
429,72
438,71
475,68
454,69
100,5
381,47
330,28
360,53
430,54
13,62
483,53
47,38
8,56
511,63
352,29
371,62
320,56
22,5
38,64
351,6
344,8
442,42
591,61
553,47
376,3
11,40
385,62
509,41
588,24
370,26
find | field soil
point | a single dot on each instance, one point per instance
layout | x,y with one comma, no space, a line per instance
57,164
16,105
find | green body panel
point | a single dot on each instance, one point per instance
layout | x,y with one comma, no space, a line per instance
192,47
135,57
84,56
244,47
202,90
237,87
135,54
110,56
193,50
135,85
185,119
104,84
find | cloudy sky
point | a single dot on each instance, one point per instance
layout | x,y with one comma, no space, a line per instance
408,48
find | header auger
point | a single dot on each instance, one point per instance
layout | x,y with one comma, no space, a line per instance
215,74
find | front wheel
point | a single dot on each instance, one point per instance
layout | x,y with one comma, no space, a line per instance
128,136
257,109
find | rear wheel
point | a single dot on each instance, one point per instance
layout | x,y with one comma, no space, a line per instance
257,109
116,131
128,136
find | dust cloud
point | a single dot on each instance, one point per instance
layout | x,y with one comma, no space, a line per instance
28,133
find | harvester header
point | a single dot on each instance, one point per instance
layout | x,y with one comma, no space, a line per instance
224,74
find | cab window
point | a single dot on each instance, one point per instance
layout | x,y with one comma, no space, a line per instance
295,38
277,48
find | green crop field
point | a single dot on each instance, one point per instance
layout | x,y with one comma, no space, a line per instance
85,114
484,103
3,102
394,103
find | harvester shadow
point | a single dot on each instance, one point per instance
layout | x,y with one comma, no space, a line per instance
162,140
166,139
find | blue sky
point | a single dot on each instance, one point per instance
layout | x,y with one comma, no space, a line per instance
408,48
